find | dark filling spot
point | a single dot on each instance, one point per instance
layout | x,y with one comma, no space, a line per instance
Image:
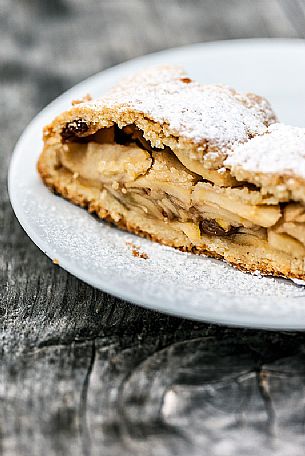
121,136
129,134
74,130
143,143
212,227
186,80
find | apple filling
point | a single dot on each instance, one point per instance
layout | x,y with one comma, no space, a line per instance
173,189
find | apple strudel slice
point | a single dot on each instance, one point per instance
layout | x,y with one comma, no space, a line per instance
196,167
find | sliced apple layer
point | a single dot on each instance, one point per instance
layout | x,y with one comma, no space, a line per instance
178,190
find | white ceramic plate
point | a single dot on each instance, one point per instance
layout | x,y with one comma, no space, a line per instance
168,281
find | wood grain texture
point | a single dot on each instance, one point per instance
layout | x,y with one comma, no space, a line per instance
83,373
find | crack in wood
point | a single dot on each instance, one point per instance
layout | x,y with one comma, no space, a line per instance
83,424
263,384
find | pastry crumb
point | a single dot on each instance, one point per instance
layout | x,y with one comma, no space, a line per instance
85,99
186,80
136,252
55,261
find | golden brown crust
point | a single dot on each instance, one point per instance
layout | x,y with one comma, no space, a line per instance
204,126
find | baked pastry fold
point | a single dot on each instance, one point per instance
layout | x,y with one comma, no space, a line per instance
182,164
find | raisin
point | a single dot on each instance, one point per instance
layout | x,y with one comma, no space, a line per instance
73,130
212,227
121,137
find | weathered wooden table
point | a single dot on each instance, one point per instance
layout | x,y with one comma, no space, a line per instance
83,372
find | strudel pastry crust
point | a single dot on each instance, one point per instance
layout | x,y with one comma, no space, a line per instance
185,165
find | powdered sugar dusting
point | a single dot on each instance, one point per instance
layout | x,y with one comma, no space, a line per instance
280,151
213,114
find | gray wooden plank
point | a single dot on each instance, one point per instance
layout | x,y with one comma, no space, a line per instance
85,373
122,395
